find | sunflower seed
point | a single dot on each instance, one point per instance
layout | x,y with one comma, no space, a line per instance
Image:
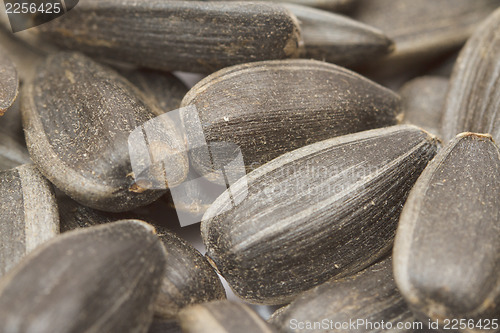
222,317
370,295
29,214
338,39
12,153
446,259
78,116
423,99
326,210
422,30
474,93
272,107
9,82
100,279
189,278
192,36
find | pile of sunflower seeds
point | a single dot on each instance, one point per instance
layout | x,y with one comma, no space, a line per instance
341,156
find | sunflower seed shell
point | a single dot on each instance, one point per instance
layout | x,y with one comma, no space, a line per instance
78,116
326,210
269,108
191,36
28,216
100,279
446,261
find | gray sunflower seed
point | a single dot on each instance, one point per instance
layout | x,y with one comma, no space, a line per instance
164,89
193,36
188,277
272,107
78,116
326,210
474,94
222,317
446,260
423,99
338,39
100,279
12,153
422,30
370,295
9,82
29,214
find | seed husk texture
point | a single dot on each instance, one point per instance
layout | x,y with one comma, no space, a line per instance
29,215
423,99
193,36
78,116
75,216
9,82
474,92
446,261
338,39
222,317
100,279
188,279
371,295
326,210
273,107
